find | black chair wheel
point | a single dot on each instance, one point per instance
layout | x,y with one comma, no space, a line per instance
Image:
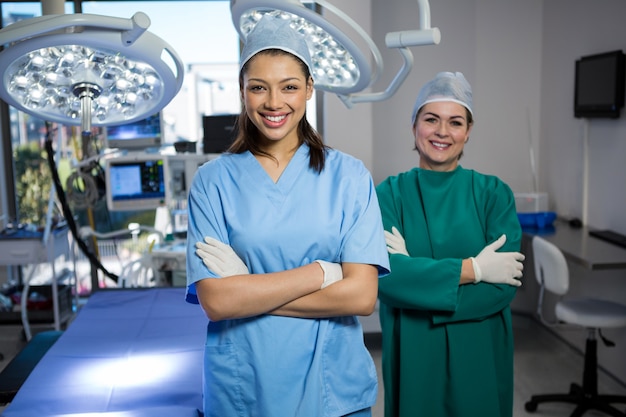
530,406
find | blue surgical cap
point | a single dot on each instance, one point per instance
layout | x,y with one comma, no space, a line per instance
446,86
275,33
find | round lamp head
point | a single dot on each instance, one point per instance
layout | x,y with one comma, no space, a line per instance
65,76
339,66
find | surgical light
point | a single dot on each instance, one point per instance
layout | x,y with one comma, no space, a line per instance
86,69
339,65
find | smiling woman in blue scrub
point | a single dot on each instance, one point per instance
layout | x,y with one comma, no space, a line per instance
447,345
285,248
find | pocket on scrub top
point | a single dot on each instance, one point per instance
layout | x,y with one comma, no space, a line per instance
222,379
356,382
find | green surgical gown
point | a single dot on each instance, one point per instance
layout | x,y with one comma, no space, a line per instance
447,348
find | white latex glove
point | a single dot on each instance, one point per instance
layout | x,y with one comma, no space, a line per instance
395,242
332,272
498,267
220,258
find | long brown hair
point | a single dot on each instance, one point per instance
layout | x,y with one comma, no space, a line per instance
248,136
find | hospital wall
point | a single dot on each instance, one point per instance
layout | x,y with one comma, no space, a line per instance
519,57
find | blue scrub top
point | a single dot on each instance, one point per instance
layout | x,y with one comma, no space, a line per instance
271,365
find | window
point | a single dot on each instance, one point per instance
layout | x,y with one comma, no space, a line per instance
29,171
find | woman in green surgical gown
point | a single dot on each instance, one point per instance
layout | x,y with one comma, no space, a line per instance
453,239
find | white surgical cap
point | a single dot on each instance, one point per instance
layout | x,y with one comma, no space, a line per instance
275,33
446,86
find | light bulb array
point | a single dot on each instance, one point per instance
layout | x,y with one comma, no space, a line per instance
333,66
52,81
83,69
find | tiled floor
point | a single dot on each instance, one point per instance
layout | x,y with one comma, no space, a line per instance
543,363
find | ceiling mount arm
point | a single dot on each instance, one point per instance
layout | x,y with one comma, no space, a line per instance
51,24
401,41
350,100
140,23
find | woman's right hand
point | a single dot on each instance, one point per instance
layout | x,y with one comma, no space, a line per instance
220,258
395,242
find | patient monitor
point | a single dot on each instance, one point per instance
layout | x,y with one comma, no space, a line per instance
147,181
136,182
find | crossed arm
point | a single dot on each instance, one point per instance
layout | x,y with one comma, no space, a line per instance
296,292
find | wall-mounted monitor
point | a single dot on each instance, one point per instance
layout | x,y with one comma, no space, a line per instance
599,85
219,132
136,182
141,134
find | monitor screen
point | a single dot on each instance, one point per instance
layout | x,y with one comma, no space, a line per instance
141,134
219,132
599,85
135,183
